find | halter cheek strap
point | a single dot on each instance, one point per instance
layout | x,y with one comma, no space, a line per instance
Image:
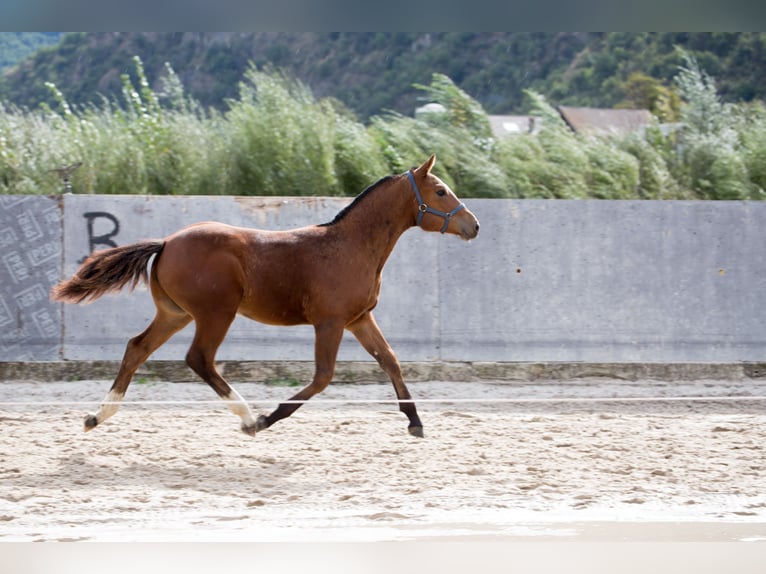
423,208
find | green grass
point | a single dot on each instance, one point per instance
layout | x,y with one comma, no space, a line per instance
284,382
276,138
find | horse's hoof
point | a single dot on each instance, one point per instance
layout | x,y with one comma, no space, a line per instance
249,430
90,422
261,423
416,431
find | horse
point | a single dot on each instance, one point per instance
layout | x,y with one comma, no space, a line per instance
326,275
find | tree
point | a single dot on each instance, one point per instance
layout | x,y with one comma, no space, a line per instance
644,92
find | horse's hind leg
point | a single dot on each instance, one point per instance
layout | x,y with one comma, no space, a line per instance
367,332
211,329
167,322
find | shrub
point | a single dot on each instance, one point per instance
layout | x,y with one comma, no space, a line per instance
712,165
358,159
654,178
281,138
277,139
557,163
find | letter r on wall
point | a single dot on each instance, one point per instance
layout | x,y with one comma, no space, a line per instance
105,238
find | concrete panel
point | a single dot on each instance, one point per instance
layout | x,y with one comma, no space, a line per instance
547,281
30,254
101,329
604,281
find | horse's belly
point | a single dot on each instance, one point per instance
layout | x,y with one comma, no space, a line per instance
272,314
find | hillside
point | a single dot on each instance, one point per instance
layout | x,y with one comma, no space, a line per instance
15,46
374,72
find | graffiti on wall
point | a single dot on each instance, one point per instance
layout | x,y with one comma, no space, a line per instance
101,227
30,263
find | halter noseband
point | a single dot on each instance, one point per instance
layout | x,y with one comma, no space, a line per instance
423,208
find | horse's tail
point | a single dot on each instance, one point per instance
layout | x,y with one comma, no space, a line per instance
108,270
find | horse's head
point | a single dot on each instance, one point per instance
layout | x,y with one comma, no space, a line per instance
438,208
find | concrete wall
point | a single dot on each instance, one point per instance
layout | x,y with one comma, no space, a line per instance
30,250
592,281
611,281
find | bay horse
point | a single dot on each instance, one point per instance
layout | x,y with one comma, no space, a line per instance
326,275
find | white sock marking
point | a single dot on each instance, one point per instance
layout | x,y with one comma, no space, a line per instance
239,407
107,410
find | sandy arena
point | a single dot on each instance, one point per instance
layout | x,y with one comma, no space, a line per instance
339,470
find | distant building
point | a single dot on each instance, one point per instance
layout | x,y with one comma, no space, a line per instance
595,121
504,126
605,121
430,109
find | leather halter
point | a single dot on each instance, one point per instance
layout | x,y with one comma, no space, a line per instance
423,208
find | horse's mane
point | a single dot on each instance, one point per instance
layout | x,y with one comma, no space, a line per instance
346,210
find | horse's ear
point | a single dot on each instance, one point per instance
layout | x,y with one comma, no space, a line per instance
426,167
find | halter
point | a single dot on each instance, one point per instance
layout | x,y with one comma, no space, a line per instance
423,208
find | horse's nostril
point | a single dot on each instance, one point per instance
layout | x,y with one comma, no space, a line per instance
477,228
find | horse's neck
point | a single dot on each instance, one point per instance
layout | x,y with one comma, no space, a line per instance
376,224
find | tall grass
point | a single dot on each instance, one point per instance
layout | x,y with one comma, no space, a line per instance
557,163
276,138
719,143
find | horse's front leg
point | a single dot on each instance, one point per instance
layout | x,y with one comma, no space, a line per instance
328,338
367,332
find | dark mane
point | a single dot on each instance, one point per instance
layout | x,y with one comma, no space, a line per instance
345,211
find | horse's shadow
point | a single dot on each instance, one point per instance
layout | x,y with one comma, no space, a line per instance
77,472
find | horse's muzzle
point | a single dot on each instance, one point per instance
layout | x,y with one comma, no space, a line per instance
468,225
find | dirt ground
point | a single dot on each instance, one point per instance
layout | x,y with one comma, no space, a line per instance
500,460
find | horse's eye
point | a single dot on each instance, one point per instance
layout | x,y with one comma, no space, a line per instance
440,192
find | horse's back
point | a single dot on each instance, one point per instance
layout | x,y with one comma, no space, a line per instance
257,273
